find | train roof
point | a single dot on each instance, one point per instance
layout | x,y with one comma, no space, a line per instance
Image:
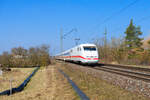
86,44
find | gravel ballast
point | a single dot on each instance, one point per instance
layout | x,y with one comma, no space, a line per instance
132,85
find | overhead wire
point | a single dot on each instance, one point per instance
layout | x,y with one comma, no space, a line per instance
120,11
117,13
139,21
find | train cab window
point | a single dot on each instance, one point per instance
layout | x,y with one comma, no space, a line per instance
89,48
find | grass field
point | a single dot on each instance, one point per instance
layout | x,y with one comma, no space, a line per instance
18,75
46,84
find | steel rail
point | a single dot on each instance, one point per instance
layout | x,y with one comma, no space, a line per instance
125,67
127,71
130,74
124,70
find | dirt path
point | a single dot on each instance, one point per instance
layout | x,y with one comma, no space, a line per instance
53,83
61,89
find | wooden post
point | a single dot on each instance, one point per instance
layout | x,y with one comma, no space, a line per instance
10,86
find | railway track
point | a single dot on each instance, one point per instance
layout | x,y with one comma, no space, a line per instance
132,72
126,67
124,70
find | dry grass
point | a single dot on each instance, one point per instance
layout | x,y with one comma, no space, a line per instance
98,89
18,75
47,84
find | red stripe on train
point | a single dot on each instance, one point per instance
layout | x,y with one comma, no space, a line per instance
80,57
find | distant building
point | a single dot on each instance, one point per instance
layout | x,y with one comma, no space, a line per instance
18,56
1,72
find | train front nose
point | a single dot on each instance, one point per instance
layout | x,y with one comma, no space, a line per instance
90,54
91,59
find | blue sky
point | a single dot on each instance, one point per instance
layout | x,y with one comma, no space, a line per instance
33,22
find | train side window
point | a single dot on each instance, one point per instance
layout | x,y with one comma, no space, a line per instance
78,49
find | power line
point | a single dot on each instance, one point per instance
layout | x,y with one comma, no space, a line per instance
119,12
77,41
144,18
74,29
139,21
62,36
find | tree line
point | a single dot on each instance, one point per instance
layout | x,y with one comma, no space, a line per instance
21,57
125,50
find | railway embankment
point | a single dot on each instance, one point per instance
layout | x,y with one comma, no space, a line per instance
101,85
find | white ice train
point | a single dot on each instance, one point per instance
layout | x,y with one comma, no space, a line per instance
83,53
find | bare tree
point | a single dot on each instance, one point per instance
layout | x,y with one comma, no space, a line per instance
5,59
19,51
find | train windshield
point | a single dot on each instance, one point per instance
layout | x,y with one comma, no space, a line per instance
89,48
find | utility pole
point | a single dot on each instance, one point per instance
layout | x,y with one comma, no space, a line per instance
105,33
62,36
77,40
61,40
105,45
